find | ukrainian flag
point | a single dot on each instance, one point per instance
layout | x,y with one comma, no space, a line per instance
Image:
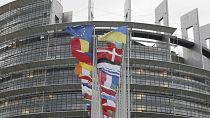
118,35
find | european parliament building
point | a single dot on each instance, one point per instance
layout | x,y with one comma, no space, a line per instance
37,77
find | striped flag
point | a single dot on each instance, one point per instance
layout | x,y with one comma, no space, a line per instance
87,92
108,91
82,49
83,69
108,97
109,60
85,77
108,80
109,67
87,89
108,105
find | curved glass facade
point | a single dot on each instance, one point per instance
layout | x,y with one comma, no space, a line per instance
172,101
33,95
37,74
34,13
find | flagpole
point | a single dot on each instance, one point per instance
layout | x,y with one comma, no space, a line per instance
123,88
99,109
128,72
117,114
96,101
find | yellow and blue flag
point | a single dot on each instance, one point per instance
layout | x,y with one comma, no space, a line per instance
118,35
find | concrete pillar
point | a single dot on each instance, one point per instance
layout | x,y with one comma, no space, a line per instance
161,13
205,34
192,56
56,12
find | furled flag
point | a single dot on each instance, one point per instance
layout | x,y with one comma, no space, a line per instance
109,92
118,35
88,107
87,89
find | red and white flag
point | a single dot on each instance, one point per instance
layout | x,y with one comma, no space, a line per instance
108,105
112,54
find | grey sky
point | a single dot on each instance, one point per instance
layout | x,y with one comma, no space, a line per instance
142,10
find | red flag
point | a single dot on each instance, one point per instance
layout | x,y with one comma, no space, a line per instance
108,91
108,105
85,77
82,56
110,48
111,54
75,44
87,97
80,44
105,107
80,50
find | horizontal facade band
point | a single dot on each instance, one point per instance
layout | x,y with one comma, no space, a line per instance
167,90
69,87
57,27
38,64
171,65
164,64
73,114
135,33
155,115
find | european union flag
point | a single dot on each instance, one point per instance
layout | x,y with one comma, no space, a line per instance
81,31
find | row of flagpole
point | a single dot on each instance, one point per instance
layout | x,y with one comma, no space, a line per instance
100,73
123,103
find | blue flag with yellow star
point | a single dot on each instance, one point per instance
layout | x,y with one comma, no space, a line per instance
81,44
81,31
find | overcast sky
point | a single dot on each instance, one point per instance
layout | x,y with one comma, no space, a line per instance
142,10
